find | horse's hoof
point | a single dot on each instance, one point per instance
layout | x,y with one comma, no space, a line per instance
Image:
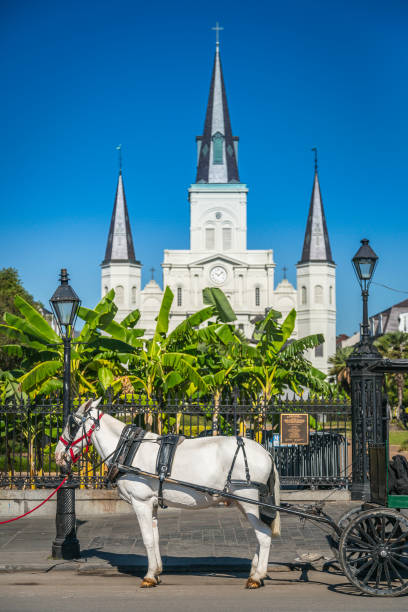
253,584
148,583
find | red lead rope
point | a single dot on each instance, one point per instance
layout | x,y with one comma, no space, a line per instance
39,505
86,436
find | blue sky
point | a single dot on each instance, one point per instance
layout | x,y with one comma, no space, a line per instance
79,78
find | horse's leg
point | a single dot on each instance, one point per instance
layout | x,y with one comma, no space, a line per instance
263,535
144,513
156,543
255,560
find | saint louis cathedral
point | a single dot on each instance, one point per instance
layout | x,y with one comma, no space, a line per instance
218,254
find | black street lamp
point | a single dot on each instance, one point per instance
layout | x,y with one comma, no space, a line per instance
369,422
65,303
364,263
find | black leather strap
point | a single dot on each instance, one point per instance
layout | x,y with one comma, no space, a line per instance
240,445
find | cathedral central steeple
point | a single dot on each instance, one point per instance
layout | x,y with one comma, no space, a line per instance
217,147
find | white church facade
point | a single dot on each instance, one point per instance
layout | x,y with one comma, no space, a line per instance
218,254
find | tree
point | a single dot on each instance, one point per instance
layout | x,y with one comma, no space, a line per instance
394,345
10,287
340,369
97,362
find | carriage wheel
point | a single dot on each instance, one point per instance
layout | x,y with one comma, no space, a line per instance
373,552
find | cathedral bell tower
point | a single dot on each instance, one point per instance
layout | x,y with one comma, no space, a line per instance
316,282
120,270
217,198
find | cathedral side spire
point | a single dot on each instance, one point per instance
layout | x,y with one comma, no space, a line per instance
316,246
120,242
217,159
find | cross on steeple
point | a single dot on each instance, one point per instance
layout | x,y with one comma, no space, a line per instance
217,29
284,272
119,149
152,270
315,157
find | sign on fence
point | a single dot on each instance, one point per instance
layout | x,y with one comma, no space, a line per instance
294,429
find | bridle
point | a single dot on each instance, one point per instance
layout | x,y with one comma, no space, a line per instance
74,424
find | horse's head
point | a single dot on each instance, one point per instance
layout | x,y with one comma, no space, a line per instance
76,434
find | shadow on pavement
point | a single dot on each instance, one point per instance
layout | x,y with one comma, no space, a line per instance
137,564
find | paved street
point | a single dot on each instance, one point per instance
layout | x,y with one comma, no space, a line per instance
206,558
206,539
284,592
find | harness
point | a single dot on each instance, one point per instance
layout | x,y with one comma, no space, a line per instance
129,443
73,428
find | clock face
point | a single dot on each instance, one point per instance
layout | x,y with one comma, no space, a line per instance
218,275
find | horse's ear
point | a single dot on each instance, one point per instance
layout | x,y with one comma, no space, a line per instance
96,402
85,406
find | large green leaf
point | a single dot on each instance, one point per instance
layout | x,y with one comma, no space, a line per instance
14,350
192,321
106,377
162,325
25,327
298,347
225,334
36,319
129,336
131,319
39,374
216,298
289,325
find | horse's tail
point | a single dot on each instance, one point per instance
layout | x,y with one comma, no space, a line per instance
269,516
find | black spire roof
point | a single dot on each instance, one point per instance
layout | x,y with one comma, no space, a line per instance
120,242
219,165
316,246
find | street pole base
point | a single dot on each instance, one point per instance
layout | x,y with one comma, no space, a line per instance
360,491
66,549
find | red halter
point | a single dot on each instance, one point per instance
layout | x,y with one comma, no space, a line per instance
87,436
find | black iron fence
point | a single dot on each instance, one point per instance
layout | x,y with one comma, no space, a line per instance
29,432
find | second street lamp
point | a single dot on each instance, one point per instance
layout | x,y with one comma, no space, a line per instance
65,303
368,414
364,263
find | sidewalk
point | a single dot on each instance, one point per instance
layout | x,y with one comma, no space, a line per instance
204,540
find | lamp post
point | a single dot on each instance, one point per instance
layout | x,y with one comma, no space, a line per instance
368,414
65,304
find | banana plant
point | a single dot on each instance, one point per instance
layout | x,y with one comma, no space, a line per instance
280,361
96,362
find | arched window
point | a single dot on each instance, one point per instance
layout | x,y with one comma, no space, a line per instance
119,294
257,296
330,295
105,290
179,296
304,295
133,295
218,146
318,294
210,238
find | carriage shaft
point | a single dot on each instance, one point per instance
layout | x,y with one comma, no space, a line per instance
321,518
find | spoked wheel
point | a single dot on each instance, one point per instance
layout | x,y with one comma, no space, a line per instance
373,552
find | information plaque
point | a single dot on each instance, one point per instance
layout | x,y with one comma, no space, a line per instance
294,429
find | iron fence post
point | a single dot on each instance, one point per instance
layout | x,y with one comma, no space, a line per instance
368,413
66,544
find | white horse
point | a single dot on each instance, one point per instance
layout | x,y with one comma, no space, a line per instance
201,461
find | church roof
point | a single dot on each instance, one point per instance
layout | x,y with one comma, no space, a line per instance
316,246
120,242
217,160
